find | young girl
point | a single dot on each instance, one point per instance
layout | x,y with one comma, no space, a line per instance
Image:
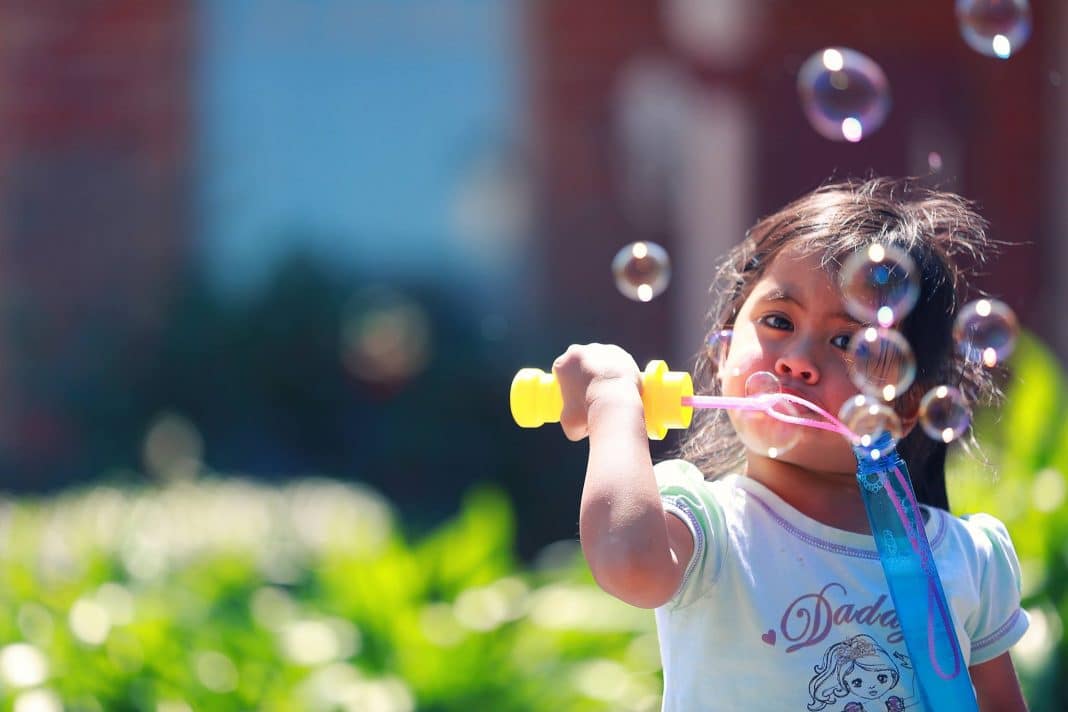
763,572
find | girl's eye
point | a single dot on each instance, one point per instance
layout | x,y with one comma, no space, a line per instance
841,341
776,321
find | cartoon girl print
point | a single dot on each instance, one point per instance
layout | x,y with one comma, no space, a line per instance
858,668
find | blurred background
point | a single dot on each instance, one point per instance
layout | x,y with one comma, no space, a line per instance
267,269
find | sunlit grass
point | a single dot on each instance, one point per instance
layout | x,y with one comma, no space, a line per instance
227,594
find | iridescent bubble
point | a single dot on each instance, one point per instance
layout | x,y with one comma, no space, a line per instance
844,94
761,382
881,362
944,413
761,432
868,418
880,284
985,331
996,28
642,270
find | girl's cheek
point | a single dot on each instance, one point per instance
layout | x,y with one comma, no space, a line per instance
739,365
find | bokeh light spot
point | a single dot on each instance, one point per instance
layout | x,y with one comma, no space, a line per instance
89,621
39,700
385,337
23,665
216,671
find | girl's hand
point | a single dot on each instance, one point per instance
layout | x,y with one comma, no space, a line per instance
587,372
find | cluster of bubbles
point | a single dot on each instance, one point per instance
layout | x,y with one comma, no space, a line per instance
880,286
845,95
884,278
882,281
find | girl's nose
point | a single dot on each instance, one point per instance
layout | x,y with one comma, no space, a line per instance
799,367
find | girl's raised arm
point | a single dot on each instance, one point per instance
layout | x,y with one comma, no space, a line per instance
635,550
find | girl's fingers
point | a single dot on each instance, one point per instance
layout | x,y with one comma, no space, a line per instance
573,430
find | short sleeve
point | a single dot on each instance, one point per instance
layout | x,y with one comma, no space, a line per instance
686,495
999,622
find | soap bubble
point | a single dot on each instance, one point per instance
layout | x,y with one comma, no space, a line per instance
880,284
762,382
761,432
985,331
996,28
881,362
868,418
844,94
944,413
642,270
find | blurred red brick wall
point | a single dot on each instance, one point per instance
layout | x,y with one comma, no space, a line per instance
1002,117
94,193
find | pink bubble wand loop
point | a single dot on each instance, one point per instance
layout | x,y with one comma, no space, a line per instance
766,402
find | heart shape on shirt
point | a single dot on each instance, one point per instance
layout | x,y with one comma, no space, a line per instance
769,637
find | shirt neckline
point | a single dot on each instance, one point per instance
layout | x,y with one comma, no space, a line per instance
824,536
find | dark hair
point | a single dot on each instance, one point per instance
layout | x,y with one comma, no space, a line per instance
937,229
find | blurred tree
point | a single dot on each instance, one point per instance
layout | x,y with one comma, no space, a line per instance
266,383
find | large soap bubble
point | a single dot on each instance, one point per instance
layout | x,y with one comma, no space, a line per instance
881,362
985,331
996,28
880,284
844,94
642,270
869,418
944,413
764,433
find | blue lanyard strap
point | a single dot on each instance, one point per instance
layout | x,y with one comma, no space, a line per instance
901,539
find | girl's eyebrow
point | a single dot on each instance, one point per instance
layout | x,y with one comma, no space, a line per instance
780,294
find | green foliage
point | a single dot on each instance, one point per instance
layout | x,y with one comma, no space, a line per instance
1020,477
228,595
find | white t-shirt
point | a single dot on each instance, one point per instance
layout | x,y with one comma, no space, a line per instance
780,612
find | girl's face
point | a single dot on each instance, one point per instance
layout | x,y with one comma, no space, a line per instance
794,324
